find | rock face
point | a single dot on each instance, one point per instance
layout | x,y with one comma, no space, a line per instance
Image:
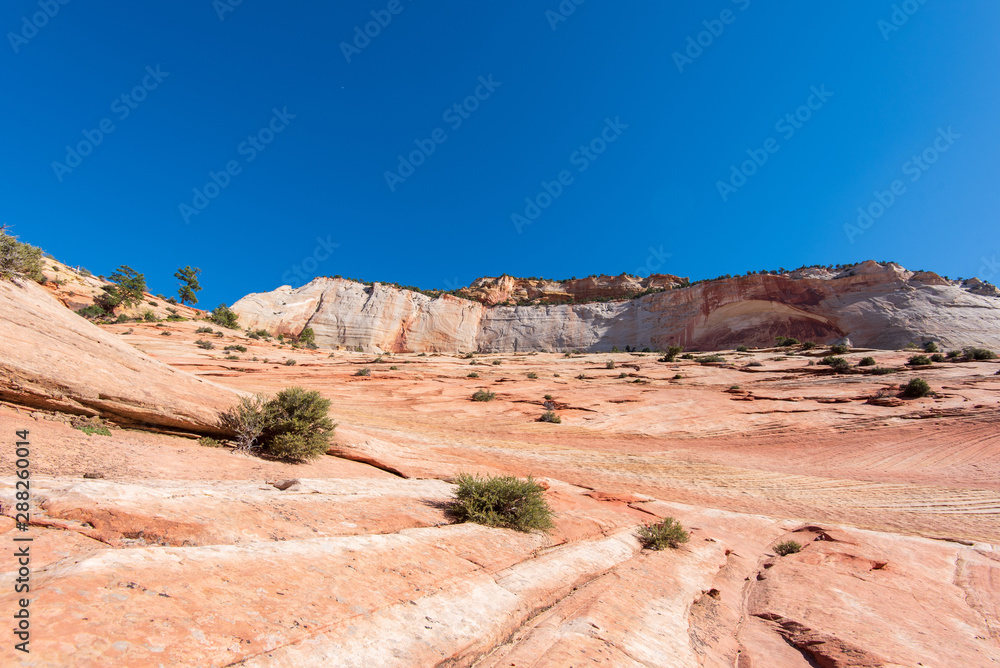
54,359
870,305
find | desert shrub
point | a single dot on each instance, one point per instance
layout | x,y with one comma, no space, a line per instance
503,501
497,362
610,364
547,397
209,442
671,353
808,345
122,318
231,356
90,430
677,376
918,360
708,359
623,375
468,356
296,425
173,317
867,361
550,416
394,368
259,334
166,334
473,375
128,289
290,362
687,356
149,316
787,547
219,335
978,354
742,349
838,363
483,395
238,348
785,342
207,345
734,387
171,300
930,347
223,316
581,377
839,349
204,330
668,532
937,357
532,375
92,311
363,372
882,371
755,363
916,388
307,336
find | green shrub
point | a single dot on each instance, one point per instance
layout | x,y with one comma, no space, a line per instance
839,349
672,352
610,364
231,356
290,362
239,348
808,345
708,359
550,416
209,442
937,357
532,375
867,361
742,349
916,388
19,260
149,316
547,397
175,318
204,330
504,502
930,347
787,547
918,360
668,532
677,376
978,354
838,363
207,345
483,395
581,377
363,372
785,342
497,362
473,375
394,368
223,316
734,387
92,311
166,334
90,430
623,375
307,336
882,371
296,425
259,334
687,356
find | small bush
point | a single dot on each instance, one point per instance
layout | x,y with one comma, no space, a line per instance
916,388
882,371
92,311
503,502
497,362
687,356
231,356
581,377
623,375
930,347
867,361
785,342
209,442
290,362
296,425
550,416
207,345
473,375
547,397
677,376
839,349
610,364
90,430
937,357
175,318
708,359
219,335
363,372
238,348
978,354
838,363
483,395
742,349
808,345
223,316
755,363
149,316
668,532
671,354
19,260
204,330
532,375
787,547
166,334
734,387
918,360
394,368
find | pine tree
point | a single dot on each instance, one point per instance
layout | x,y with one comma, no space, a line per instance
189,284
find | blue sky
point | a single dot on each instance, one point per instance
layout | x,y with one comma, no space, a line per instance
611,119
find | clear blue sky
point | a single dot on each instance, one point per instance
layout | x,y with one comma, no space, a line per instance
554,85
